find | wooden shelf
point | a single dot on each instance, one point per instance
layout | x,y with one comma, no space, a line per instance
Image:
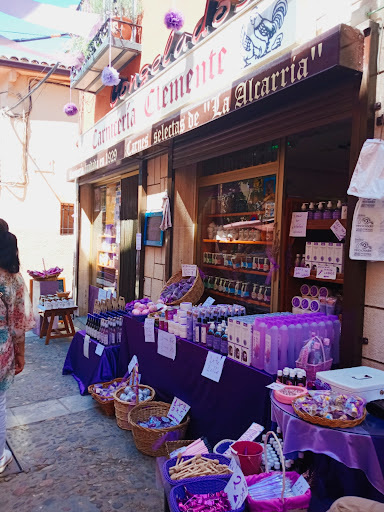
218,215
106,266
237,242
236,298
339,278
324,223
243,270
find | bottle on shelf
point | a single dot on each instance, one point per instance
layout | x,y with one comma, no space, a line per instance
336,214
303,207
318,215
302,262
328,212
298,260
210,335
217,339
204,331
311,210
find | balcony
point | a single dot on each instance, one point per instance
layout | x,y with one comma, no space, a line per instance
126,44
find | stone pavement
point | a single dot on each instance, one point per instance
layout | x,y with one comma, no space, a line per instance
72,457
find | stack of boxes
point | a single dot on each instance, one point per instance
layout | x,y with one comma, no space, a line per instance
324,252
240,338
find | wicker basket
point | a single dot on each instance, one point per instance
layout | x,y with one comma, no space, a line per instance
106,404
122,408
50,278
152,441
325,422
193,295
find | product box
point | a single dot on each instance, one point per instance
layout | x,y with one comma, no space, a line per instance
315,252
231,350
238,332
246,334
231,329
245,356
308,254
339,257
330,252
237,352
322,252
363,381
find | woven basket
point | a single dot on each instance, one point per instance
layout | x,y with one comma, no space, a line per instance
122,408
171,446
201,486
193,294
325,422
172,462
151,441
106,404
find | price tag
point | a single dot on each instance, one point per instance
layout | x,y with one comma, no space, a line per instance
189,270
208,302
99,349
339,230
166,345
299,224
213,366
178,410
86,343
149,330
325,271
134,361
236,488
275,385
138,241
301,486
302,272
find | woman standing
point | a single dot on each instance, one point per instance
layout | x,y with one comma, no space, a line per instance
15,320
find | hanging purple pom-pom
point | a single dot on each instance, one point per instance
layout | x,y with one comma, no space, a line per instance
174,20
110,76
70,109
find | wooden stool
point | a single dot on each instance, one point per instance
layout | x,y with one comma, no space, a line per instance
48,316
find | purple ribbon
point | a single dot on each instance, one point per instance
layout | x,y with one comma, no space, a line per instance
273,266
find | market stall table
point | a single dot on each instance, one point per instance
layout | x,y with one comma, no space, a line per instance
48,318
93,369
360,447
218,410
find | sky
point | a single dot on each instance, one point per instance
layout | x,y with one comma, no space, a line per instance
14,28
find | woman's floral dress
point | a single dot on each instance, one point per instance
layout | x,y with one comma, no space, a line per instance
13,324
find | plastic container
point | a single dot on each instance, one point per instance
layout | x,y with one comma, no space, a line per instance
249,455
222,446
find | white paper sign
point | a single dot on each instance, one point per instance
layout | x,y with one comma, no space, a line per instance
300,487
276,385
213,366
188,270
178,410
236,488
299,224
149,330
339,230
99,349
166,345
138,241
134,361
325,271
302,272
102,295
208,302
87,340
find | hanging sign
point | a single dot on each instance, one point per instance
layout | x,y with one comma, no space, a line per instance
166,344
299,224
178,410
339,230
213,366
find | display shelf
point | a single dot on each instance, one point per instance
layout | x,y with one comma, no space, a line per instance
240,214
324,223
236,298
106,266
339,278
237,242
243,270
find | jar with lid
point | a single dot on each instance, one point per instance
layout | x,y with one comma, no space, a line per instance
260,294
232,284
255,291
246,290
216,283
267,295
236,261
238,288
255,261
249,262
246,234
243,261
266,265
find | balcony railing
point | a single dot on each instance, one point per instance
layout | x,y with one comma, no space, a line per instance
125,45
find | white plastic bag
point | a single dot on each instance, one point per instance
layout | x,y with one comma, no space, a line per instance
368,177
367,235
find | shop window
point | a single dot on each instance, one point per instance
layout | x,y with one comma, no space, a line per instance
67,214
256,155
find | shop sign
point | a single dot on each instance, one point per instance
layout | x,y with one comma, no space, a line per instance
217,77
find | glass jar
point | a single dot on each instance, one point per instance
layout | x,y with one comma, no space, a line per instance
238,288
232,284
216,283
260,294
255,291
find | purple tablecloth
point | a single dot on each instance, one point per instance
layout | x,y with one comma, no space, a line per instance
361,447
222,410
95,369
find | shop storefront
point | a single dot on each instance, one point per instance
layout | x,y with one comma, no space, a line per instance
240,129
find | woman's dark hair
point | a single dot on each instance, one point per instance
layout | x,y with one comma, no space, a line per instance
9,253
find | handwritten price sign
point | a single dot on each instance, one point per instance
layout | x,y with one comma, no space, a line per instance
236,487
178,410
213,366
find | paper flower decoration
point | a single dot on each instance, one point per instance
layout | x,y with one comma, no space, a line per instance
174,20
110,76
78,60
70,109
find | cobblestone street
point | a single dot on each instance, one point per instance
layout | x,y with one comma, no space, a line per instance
70,456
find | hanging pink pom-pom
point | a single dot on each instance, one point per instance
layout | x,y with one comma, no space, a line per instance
110,76
174,20
70,109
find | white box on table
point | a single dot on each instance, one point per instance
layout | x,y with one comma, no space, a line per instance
246,334
363,381
323,252
315,252
330,252
237,352
231,350
231,329
308,254
245,356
